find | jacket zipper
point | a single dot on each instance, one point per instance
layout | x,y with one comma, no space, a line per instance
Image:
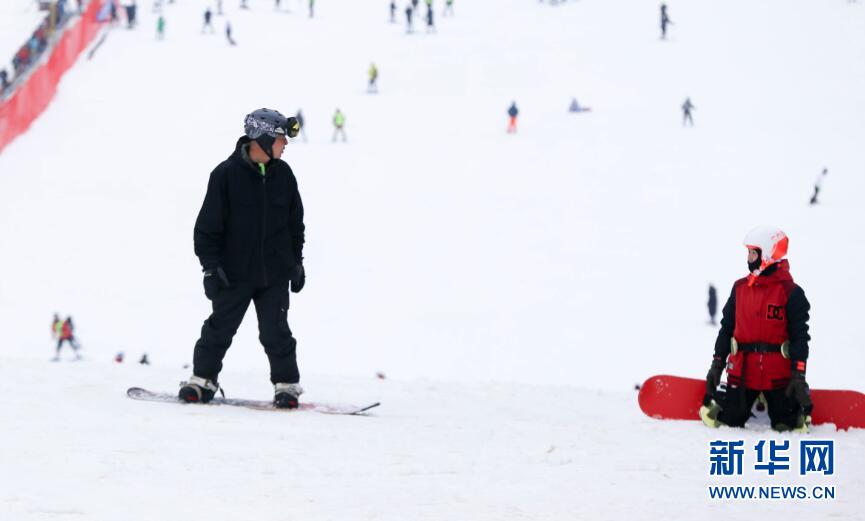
263,220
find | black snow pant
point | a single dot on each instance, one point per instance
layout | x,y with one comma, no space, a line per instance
229,306
71,341
737,403
687,118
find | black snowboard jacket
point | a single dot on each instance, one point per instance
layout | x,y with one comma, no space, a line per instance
251,224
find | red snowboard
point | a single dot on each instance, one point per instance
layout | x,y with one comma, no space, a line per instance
668,397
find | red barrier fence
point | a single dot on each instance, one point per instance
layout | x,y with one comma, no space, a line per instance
33,96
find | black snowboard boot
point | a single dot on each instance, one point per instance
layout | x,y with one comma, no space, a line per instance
197,390
285,396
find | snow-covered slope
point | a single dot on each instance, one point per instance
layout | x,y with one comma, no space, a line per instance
78,448
440,251
576,252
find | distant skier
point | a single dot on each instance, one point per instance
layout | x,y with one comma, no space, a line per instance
276,7
818,184
249,238
228,34
64,332
712,304
687,107
311,8
160,27
4,81
219,8
665,21
430,23
392,11
513,112
449,8
56,327
243,4
299,118
144,360
338,125
208,15
373,78
130,7
763,342
408,16
575,107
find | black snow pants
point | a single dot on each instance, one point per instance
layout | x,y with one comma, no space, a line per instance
229,306
738,401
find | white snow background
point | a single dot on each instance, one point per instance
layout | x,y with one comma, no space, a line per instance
513,288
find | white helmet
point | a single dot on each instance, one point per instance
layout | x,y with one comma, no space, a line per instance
772,243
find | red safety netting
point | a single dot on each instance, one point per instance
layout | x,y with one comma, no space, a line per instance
33,96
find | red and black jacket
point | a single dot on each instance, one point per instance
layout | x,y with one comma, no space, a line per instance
771,311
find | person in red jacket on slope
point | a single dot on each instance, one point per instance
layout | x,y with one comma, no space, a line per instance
763,342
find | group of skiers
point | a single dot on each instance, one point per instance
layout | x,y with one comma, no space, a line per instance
412,7
28,54
338,122
206,27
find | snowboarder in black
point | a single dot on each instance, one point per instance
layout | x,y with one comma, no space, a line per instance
228,34
712,304
4,81
249,239
208,26
818,184
687,107
408,14
665,21
392,11
430,24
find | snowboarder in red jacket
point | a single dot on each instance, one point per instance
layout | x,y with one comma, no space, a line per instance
763,342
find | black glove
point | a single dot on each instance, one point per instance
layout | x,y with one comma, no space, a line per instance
798,387
299,279
214,280
713,378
